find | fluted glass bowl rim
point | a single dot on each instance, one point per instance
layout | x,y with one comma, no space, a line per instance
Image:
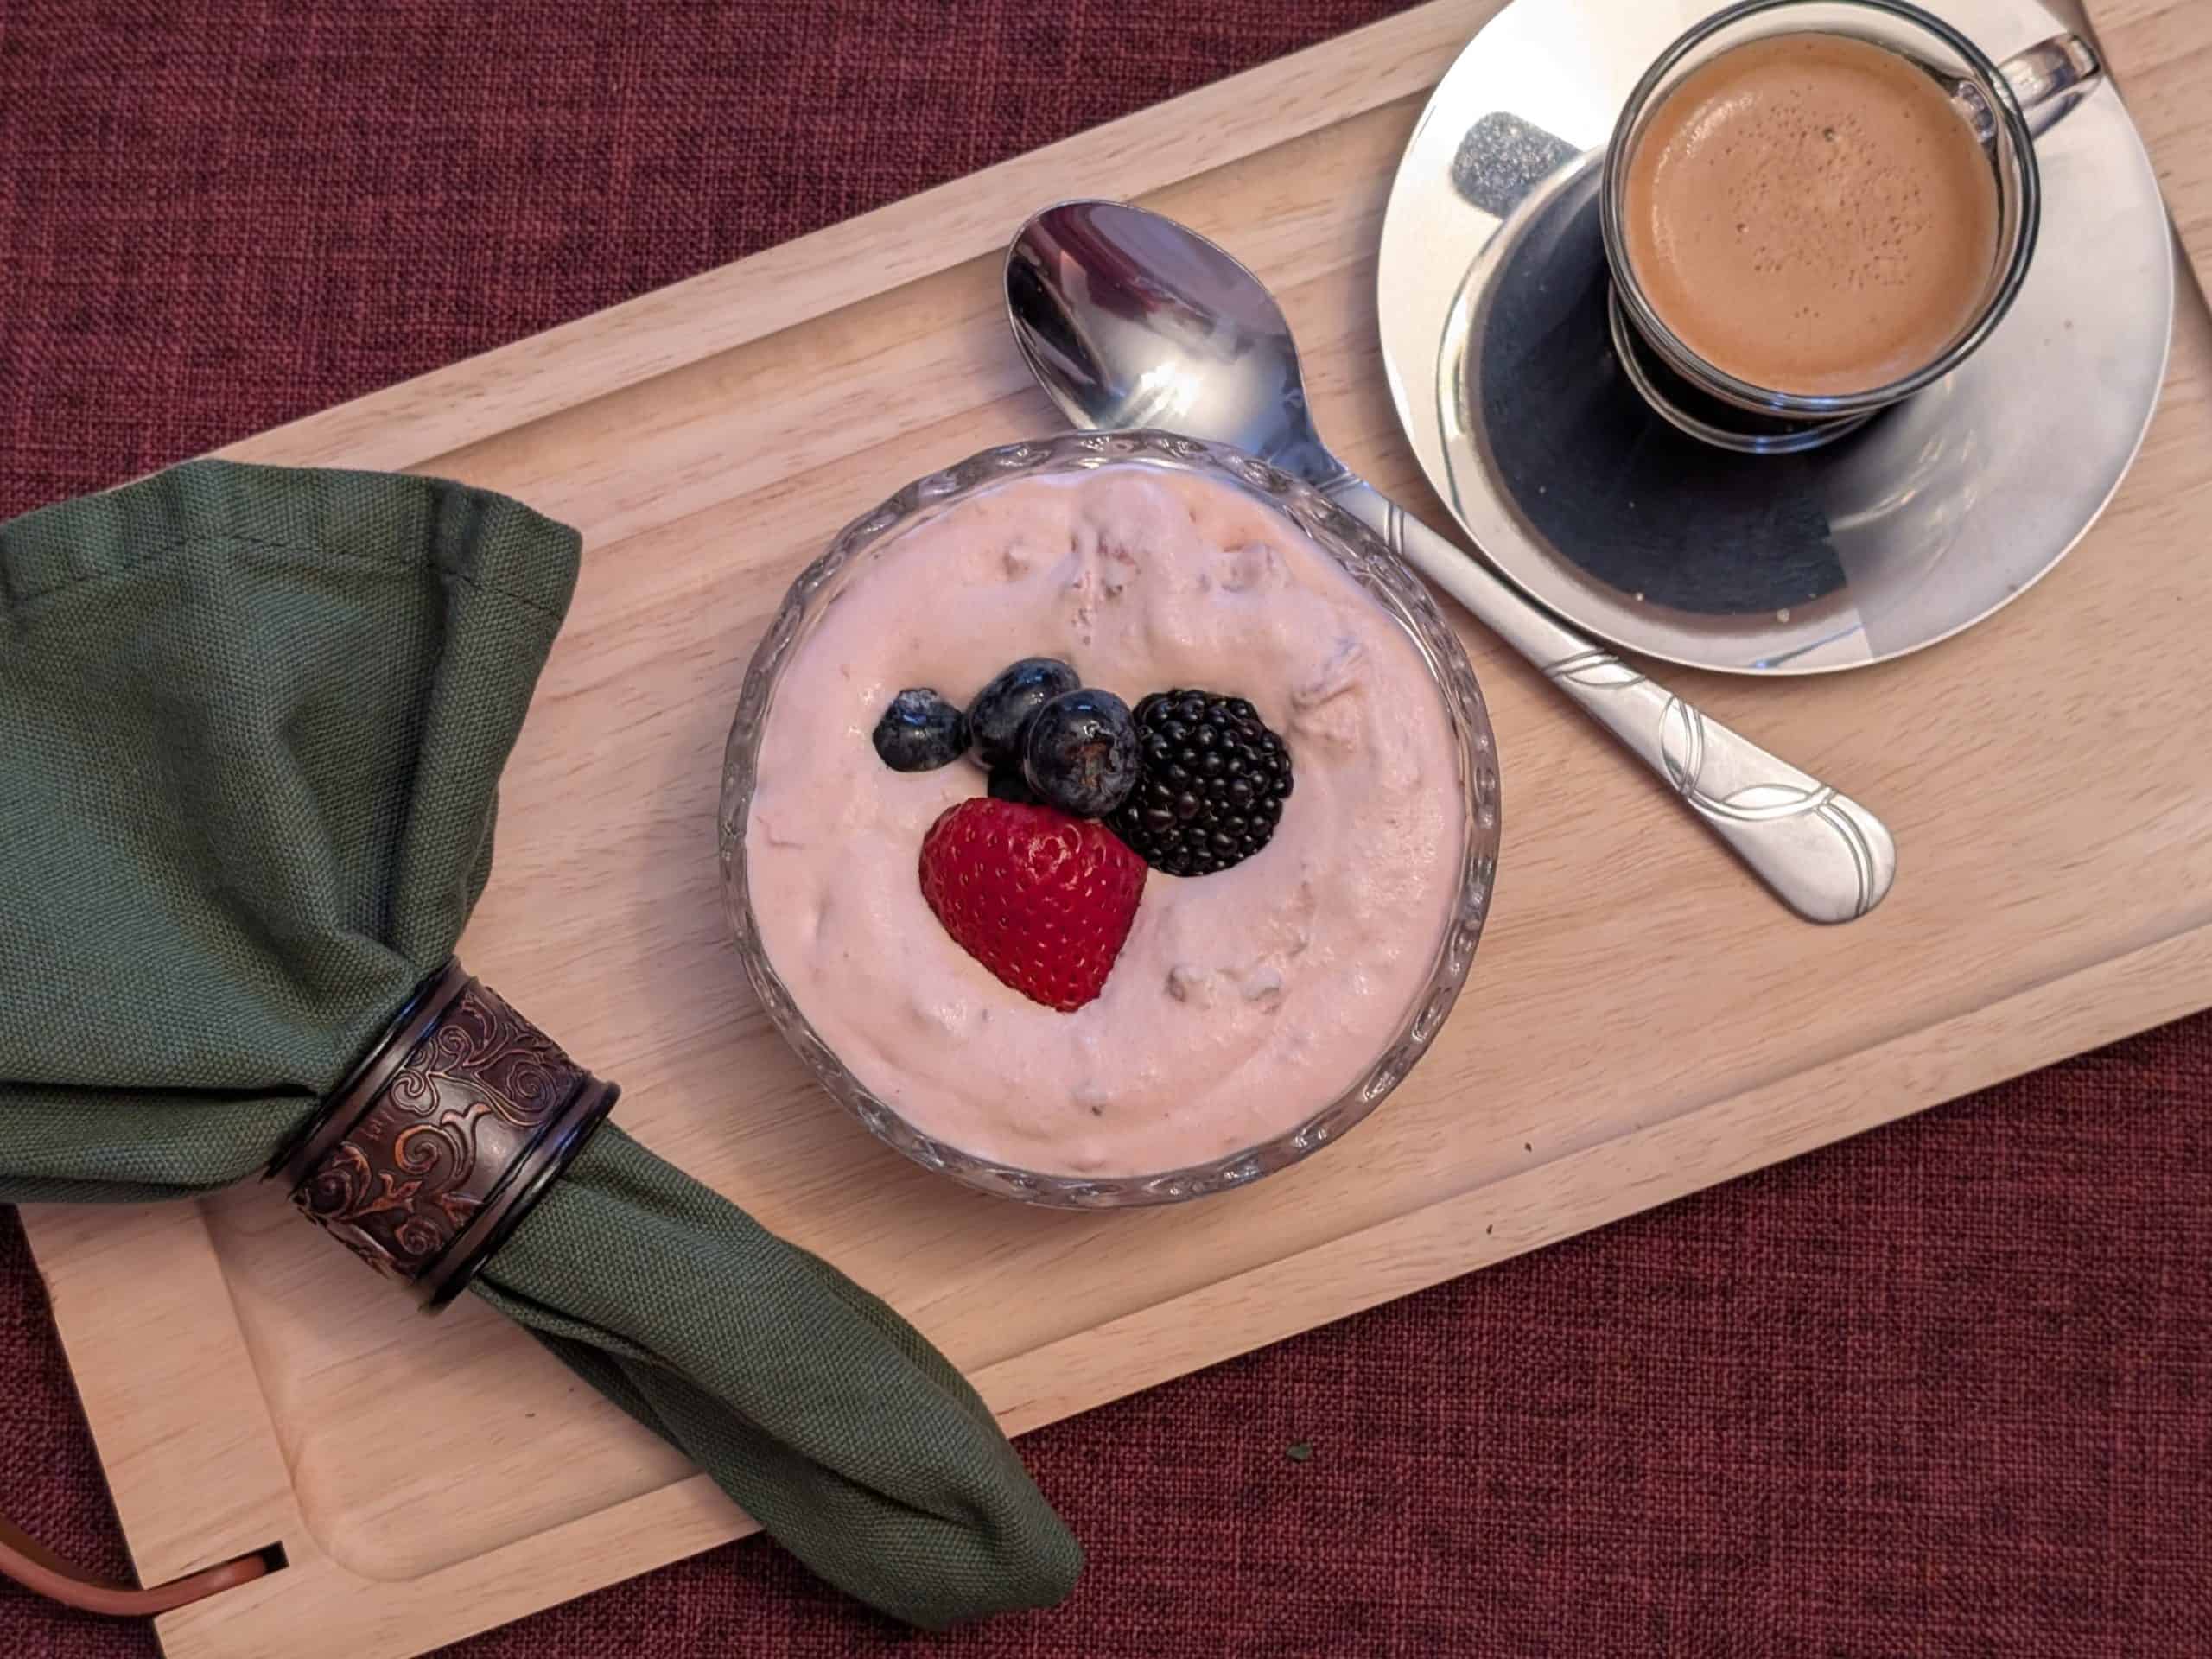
1356,550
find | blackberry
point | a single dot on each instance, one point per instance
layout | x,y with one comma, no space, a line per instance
1211,785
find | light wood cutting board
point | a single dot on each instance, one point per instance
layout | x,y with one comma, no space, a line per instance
2160,51
1642,1020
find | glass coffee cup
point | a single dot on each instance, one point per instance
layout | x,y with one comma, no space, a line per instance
1747,402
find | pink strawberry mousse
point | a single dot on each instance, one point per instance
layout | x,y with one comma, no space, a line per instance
1244,1002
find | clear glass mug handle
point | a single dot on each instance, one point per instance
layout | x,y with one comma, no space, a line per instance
2052,77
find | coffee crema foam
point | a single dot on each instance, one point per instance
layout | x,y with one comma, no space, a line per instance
1810,213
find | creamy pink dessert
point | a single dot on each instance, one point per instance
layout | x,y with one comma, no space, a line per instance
1244,1002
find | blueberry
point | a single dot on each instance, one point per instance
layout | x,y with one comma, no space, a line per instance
1080,753
1003,708
1008,785
920,732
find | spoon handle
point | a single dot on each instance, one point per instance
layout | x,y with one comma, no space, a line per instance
1824,856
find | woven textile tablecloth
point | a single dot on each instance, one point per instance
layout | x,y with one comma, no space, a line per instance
1943,1390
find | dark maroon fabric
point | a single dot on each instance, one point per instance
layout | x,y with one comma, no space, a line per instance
1942,1391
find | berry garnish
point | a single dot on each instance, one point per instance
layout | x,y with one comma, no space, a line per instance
1212,779
1079,753
1042,899
1008,785
920,731
1003,708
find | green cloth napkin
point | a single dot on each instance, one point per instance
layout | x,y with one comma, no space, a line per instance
251,725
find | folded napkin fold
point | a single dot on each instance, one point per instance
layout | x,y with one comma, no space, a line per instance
251,725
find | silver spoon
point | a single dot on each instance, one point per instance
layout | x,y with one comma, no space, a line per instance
1129,318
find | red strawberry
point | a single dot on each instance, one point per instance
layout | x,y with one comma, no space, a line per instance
1042,899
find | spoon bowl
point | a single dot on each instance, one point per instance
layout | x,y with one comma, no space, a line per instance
1128,320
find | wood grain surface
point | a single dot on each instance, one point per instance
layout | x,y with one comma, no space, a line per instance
1642,1021
2160,52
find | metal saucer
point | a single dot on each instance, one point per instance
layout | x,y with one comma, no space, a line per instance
1492,294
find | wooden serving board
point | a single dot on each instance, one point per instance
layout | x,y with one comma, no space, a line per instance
2160,51
1643,1019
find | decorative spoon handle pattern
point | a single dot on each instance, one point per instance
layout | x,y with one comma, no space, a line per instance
1822,854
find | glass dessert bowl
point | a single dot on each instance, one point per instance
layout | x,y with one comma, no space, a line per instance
1260,1005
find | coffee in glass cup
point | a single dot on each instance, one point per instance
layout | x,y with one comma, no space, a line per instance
1814,208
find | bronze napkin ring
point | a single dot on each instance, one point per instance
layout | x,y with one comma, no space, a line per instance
430,1154
423,1163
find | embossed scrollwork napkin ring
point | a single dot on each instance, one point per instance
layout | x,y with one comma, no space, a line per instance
430,1154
